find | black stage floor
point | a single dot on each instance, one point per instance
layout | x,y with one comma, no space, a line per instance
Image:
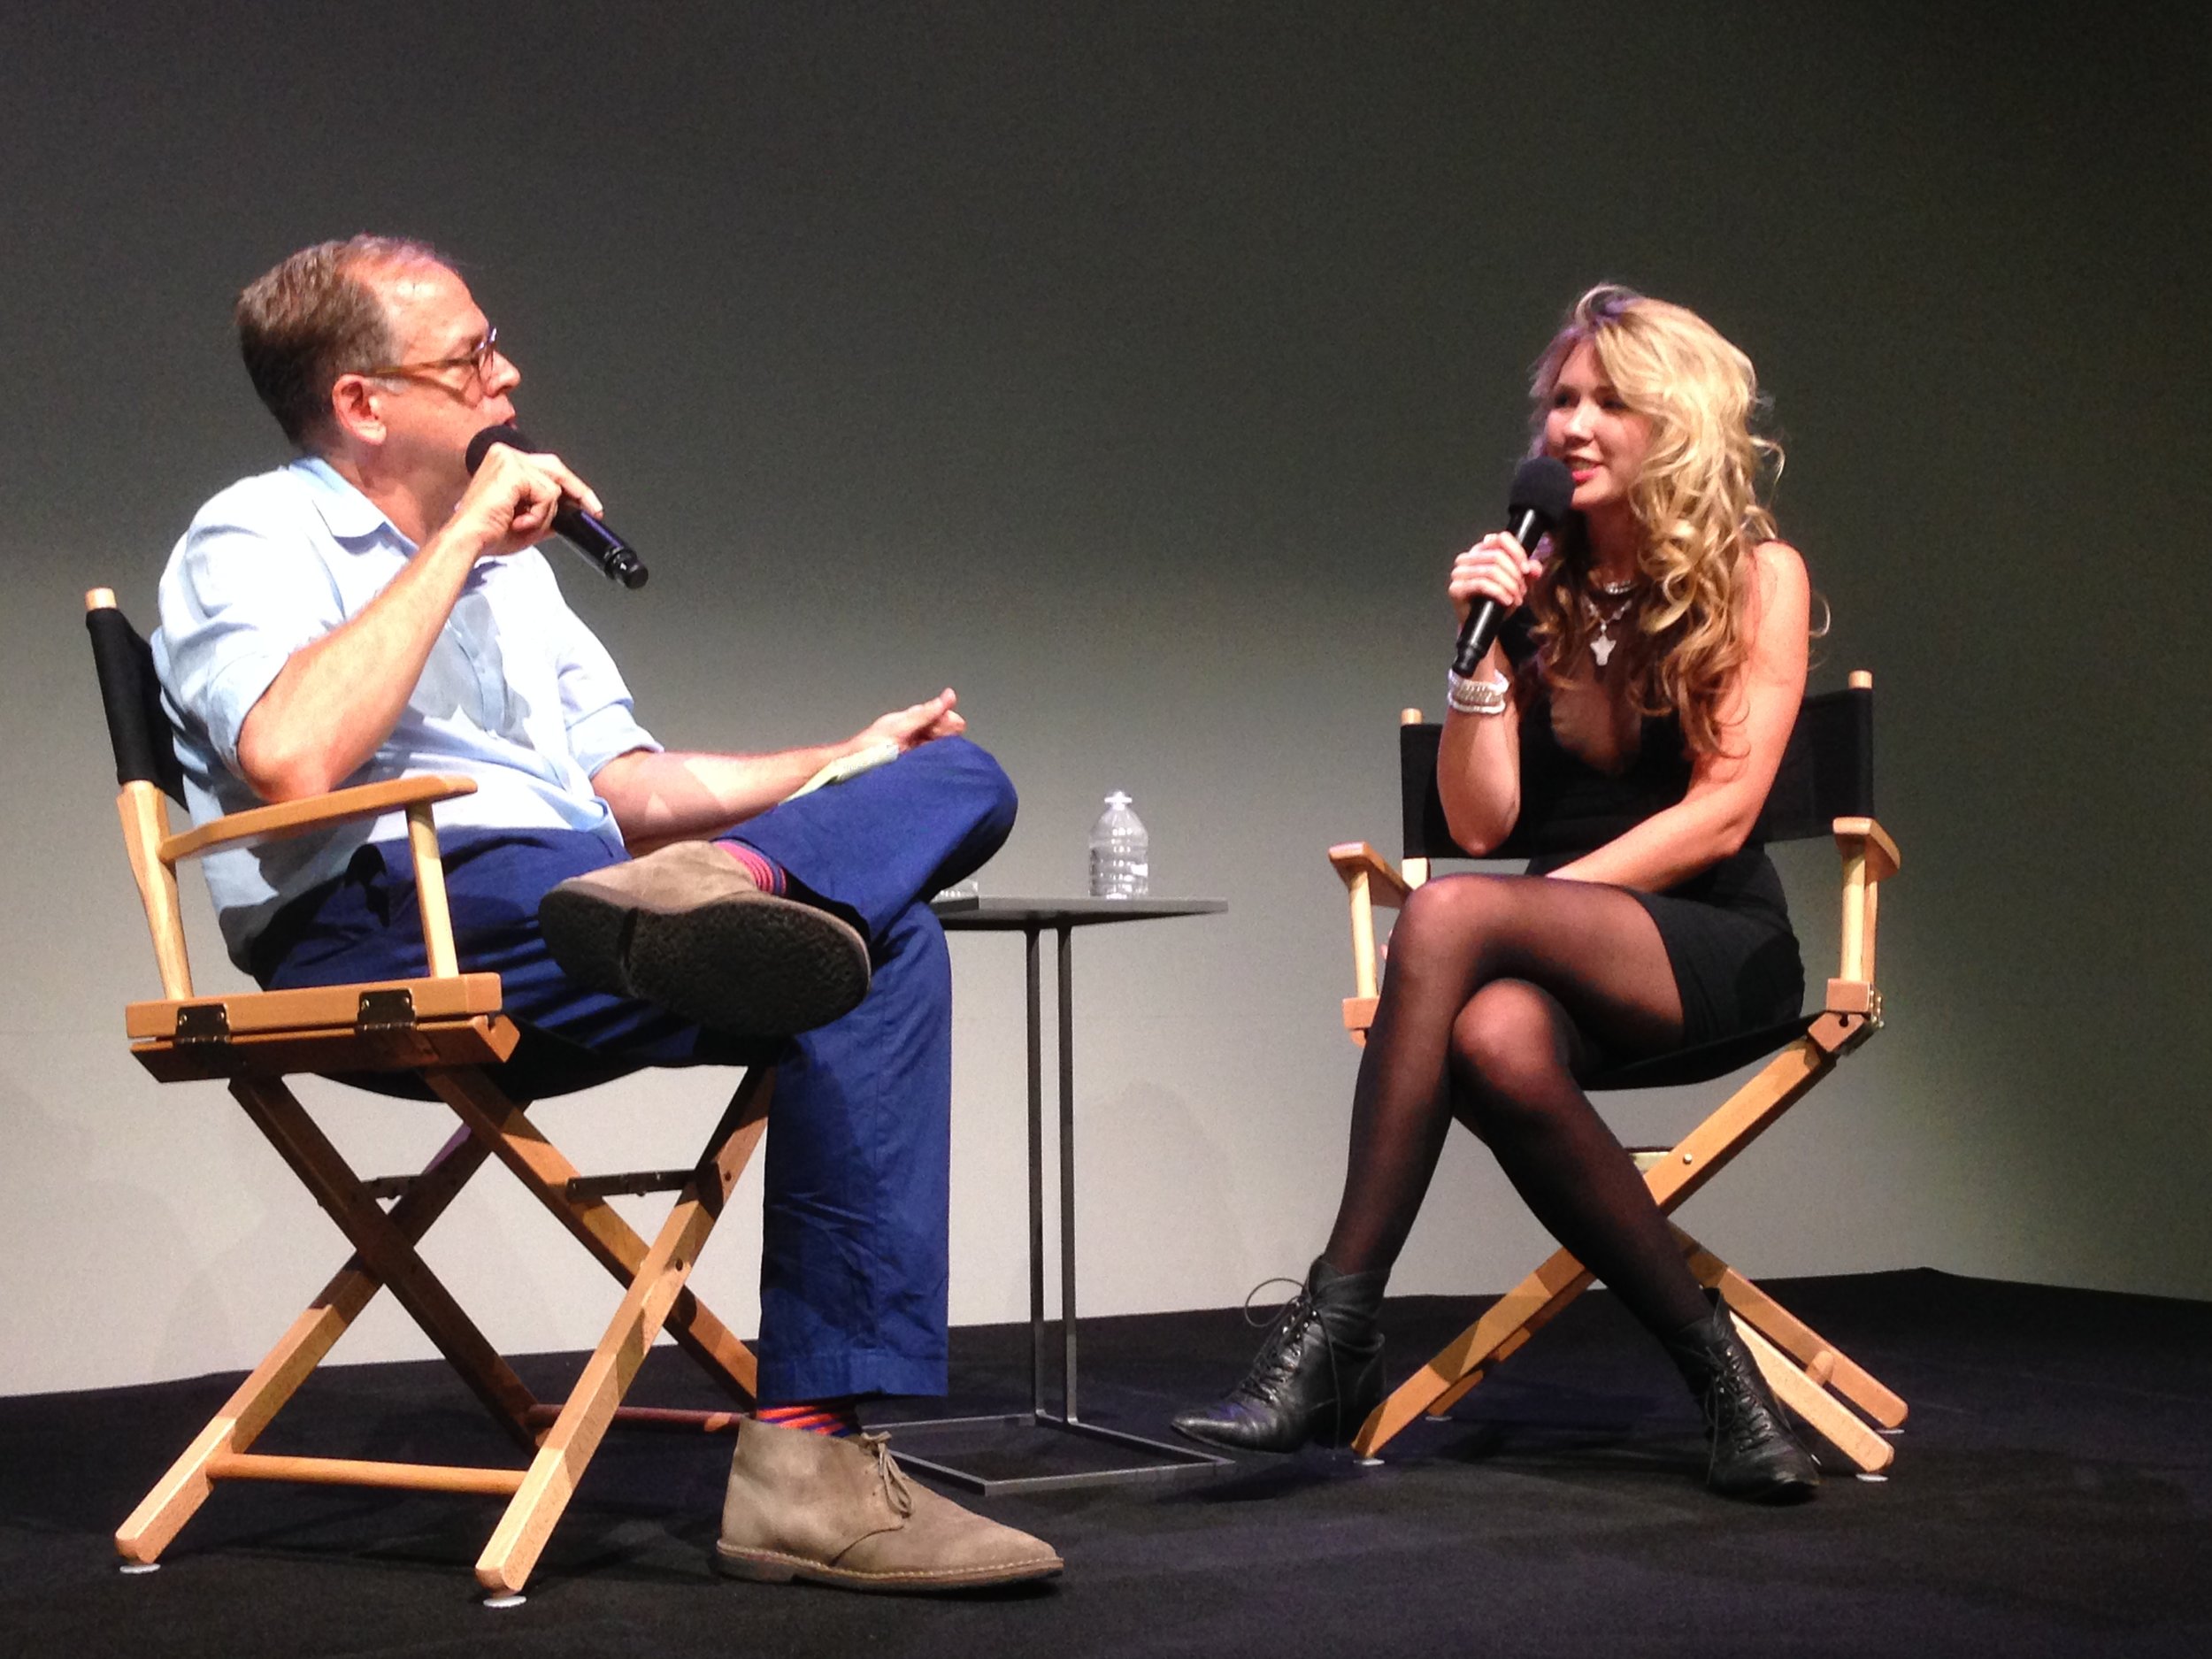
2051,1495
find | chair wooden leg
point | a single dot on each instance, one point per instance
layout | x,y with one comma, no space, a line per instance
1509,1322
568,1446
279,1115
1508,1346
1827,1415
613,1242
1823,1362
1739,1120
179,1493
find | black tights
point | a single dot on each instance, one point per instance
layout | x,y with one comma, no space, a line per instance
1497,990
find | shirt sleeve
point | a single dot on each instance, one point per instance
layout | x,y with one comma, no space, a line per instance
594,699
239,597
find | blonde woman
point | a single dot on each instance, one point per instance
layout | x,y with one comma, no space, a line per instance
1628,723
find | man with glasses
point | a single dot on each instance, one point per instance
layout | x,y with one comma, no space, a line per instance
371,610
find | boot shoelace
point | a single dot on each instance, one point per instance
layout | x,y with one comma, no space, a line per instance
1277,1358
1737,1397
890,1478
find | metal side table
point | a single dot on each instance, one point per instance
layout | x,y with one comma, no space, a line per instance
1032,919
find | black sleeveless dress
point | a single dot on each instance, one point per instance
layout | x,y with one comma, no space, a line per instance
1726,929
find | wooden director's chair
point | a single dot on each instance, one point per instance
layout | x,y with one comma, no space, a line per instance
441,1037
1825,786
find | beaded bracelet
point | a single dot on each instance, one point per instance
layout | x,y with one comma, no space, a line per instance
1475,696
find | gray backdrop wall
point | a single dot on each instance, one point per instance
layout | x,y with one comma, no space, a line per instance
1137,369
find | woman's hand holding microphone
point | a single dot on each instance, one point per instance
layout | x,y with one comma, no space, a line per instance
1496,568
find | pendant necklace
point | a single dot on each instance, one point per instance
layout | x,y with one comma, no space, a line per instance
1601,646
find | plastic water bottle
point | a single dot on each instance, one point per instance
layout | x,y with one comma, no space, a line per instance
1120,852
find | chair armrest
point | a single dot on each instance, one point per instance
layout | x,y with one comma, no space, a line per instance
1367,881
1355,859
1863,834
1869,858
315,811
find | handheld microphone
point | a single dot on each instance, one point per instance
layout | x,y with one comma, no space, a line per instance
1543,489
592,537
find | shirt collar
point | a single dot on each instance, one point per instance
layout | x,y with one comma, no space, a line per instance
350,516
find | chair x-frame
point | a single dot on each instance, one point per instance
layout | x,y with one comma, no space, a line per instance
445,1029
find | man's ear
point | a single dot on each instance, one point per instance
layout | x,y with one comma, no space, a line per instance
353,411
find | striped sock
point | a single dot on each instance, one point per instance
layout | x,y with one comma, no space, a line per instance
816,1416
767,874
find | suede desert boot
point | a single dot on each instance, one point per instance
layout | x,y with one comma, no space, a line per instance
688,928
839,1511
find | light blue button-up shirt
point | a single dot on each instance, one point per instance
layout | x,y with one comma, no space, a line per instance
516,694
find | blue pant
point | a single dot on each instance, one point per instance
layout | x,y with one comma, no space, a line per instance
853,1274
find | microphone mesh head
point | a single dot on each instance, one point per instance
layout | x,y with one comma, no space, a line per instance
1541,485
481,445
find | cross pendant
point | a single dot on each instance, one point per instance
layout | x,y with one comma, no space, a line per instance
1601,649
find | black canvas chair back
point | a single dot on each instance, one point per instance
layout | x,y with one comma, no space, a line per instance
130,695
1827,772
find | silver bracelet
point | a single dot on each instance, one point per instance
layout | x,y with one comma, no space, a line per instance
1475,696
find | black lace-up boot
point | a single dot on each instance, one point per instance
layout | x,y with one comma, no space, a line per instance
1754,1455
1316,1378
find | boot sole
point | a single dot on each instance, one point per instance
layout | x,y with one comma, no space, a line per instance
1779,1491
1335,1428
755,965
1345,1430
770,1566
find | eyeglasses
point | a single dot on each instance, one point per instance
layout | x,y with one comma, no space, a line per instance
477,359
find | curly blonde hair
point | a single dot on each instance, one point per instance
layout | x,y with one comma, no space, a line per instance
1696,500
